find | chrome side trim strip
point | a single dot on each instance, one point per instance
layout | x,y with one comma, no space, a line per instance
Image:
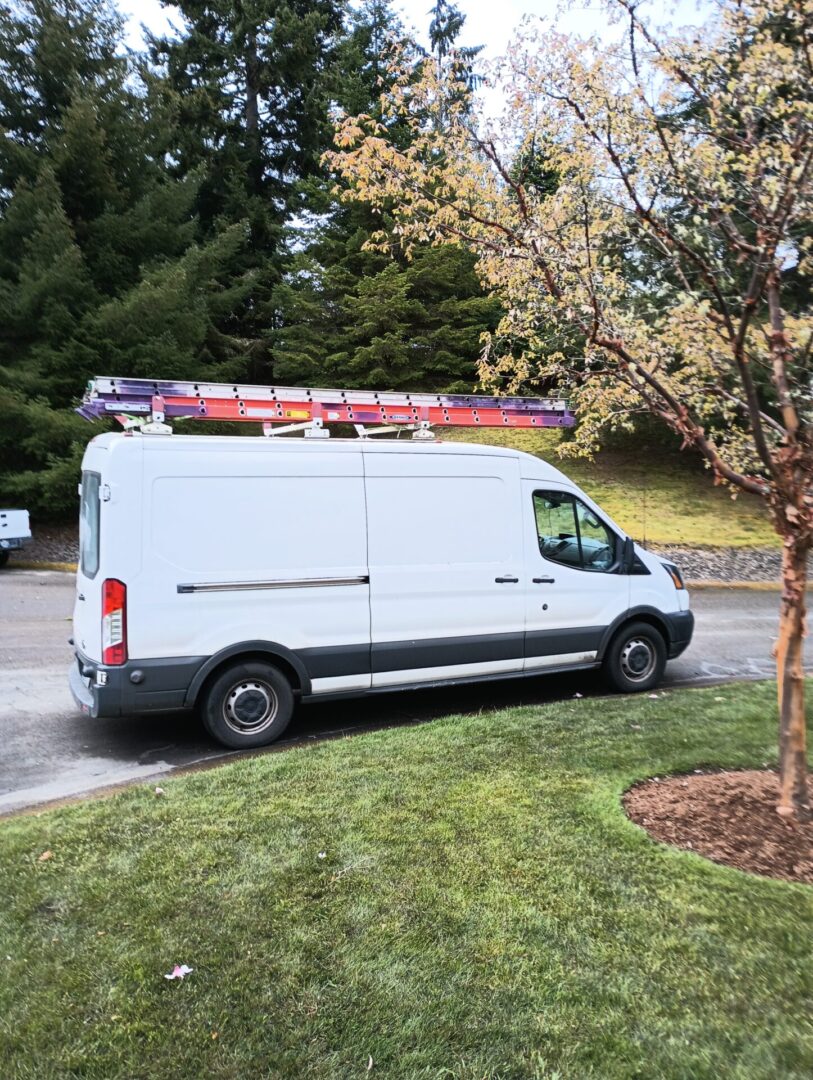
275,583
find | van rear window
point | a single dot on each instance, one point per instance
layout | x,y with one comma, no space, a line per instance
89,524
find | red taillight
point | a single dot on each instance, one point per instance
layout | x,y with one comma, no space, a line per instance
114,622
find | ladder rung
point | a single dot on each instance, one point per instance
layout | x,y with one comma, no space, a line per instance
289,404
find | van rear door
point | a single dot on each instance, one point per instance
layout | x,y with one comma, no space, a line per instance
87,612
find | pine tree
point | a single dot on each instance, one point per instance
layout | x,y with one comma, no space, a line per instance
447,22
103,265
51,53
250,84
361,318
365,318
53,285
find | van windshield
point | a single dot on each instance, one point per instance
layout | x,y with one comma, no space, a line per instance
89,524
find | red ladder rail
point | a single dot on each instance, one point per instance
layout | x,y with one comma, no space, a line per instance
290,404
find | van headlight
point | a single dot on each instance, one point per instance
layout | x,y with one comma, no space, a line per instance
674,574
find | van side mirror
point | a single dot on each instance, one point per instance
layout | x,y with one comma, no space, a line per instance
627,556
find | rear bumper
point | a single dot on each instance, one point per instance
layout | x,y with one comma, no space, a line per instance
139,686
13,543
81,692
681,628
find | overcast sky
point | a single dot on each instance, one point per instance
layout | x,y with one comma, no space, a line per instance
488,22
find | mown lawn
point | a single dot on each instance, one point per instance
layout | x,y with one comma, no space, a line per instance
483,909
659,496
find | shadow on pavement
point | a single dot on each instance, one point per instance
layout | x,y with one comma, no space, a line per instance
179,738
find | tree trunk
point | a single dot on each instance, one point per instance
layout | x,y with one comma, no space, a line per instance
793,796
253,138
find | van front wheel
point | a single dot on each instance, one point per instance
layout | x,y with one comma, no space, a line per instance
248,704
636,658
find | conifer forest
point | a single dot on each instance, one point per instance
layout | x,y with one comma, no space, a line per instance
301,192
167,213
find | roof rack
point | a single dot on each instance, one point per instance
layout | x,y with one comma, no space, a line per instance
147,405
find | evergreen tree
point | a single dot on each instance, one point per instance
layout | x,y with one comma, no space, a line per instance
447,22
53,288
250,84
444,29
361,52
102,265
51,53
252,108
357,317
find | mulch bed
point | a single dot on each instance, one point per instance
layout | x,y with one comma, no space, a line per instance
729,817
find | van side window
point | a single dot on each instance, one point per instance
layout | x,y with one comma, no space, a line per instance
570,533
89,524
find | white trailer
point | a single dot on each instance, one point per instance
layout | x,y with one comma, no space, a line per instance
241,575
15,532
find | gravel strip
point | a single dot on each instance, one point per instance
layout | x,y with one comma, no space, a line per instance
51,543
60,543
723,564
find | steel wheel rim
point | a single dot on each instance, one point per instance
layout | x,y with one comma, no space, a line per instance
250,706
638,659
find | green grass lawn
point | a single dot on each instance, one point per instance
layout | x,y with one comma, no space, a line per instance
483,909
665,497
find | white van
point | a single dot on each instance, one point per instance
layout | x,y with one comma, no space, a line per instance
239,575
15,532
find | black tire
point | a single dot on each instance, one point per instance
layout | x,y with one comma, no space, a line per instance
247,704
635,659
4,556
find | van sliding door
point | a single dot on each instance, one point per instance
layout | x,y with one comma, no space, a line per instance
445,550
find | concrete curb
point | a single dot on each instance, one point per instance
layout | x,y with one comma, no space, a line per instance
754,586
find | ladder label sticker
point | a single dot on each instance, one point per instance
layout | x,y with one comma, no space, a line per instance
126,406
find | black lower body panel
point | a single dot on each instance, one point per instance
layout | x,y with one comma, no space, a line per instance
144,686
681,628
139,686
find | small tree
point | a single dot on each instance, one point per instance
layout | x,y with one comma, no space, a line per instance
661,250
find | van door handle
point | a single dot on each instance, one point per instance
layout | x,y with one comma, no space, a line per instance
544,581
80,596
506,580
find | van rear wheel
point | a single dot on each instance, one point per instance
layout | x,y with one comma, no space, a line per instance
636,658
247,704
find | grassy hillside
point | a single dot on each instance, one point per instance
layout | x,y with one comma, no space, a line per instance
460,899
660,496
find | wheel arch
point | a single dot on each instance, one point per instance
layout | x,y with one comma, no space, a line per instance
283,658
644,614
